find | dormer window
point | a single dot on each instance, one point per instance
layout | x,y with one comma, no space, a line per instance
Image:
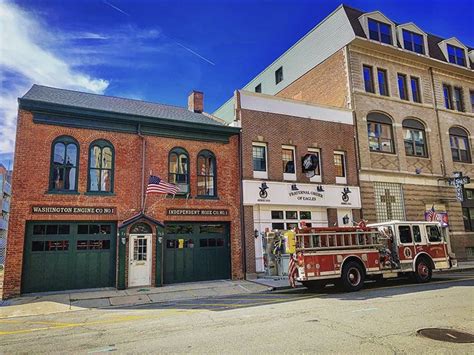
413,42
456,55
379,31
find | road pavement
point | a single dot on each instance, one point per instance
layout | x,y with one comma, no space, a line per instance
382,318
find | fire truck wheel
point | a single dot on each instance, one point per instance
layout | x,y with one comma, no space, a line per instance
353,276
423,271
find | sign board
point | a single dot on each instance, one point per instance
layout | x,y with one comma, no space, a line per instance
73,210
296,194
196,212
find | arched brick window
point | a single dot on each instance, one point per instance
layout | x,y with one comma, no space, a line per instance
64,165
414,138
206,174
459,141
101,167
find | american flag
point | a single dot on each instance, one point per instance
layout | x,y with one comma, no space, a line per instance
158,186
432,216
292,271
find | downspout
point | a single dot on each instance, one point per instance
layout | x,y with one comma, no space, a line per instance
354,120
242,219
435,103
139,132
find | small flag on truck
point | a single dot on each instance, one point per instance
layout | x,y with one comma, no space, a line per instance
292,271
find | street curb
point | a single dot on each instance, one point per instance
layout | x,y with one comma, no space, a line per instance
458,269
462,269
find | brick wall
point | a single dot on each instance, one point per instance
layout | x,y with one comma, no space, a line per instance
302,133
325,84
31,178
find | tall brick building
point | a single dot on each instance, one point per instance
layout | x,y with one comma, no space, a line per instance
298,166
79,218
412,94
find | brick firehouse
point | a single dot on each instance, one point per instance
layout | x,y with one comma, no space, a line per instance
79,216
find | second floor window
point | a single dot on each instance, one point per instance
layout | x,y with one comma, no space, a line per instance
380,31
415,89
413,42
259,157
178,169
258,88
368,79
101,167
402,86
458,99
288,160
380,133
339,164
459,141
383,84
64,164
456,55
448,101
414,138
206,174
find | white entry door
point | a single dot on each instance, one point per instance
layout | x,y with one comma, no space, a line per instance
139,271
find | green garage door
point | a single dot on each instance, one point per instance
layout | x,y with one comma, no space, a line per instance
67,256
196,252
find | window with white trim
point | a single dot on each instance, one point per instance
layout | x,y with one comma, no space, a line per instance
340,167
259,160
317,173
288,162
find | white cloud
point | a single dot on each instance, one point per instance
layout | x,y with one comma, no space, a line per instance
27,54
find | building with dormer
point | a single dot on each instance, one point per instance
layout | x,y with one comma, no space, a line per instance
412,96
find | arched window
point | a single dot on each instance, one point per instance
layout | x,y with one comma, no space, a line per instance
206,174
64,162
379,130
101,167
178,170
414,138
459,140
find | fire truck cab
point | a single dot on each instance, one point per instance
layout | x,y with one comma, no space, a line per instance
349,255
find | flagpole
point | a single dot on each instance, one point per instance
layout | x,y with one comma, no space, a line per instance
144,200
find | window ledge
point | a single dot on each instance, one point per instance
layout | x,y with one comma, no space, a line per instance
381,152
93,193
207,197
417,157
180,196
462,162
53,192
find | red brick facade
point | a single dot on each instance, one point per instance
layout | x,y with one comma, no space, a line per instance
277,130
31,179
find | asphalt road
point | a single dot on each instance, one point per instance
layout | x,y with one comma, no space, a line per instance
382,318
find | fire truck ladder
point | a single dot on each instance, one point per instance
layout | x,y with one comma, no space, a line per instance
338,240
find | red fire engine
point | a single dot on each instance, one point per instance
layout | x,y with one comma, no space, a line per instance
349,255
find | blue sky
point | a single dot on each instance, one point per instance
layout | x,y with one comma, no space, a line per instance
161,50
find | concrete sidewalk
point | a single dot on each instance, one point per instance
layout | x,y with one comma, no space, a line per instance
282,283
47,303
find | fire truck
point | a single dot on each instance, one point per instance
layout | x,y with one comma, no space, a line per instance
350,255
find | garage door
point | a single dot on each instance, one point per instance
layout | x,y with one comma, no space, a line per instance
66,256
196,252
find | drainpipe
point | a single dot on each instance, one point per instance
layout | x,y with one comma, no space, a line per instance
241,174
354,120
435,103
139,132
